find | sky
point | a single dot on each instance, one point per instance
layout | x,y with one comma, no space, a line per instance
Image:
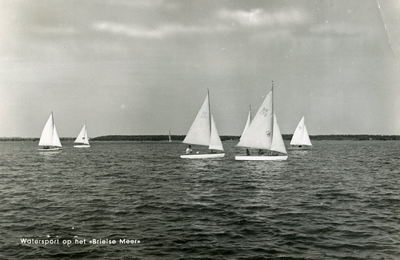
138,67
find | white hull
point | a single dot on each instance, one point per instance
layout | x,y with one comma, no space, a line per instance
260,158
50,150
82,145
203,156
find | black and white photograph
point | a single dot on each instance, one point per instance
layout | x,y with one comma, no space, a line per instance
200,129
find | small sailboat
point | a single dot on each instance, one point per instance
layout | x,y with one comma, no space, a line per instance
49,140
82,141
169,137
301,139
263,133
204,132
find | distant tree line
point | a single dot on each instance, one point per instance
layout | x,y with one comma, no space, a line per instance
35,139
236,138
355,137
152,138
144,138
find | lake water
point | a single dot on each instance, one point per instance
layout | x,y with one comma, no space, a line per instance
340,200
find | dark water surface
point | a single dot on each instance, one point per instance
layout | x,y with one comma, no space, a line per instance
340,200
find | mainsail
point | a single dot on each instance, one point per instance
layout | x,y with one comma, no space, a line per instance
259,133
199,132
49,135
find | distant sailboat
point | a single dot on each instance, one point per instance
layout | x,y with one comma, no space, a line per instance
204,132
169,136
263,133
82,141
49,140
300,139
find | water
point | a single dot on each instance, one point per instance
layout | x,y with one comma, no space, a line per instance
340,200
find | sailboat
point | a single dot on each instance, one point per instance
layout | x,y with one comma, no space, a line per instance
301,139
49,140
263,133
82,141
204,132
169,137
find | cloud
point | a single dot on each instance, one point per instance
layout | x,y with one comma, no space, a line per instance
137,31
258,17
137,3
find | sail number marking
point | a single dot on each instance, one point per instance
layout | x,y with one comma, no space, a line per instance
264,112
204,114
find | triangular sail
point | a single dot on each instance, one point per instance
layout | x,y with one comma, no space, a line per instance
277,141
300,135
248,122
199,132
215,140
82,137
49,135
306,137
259,133
56,139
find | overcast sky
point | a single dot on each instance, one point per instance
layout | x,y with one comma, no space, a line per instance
143,66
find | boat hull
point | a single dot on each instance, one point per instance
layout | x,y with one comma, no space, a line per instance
260,158
203,156
50,150
82,146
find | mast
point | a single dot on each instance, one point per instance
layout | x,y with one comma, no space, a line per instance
209,109
53,121
273,112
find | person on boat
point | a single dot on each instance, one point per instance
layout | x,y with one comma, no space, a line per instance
260,151
212,151
247,152
189,150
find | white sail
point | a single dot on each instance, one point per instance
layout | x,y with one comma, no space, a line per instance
300,136
169,137
248,122
82,137
49,135
277,141
56,139
199,132
259,133
306,137
215,140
